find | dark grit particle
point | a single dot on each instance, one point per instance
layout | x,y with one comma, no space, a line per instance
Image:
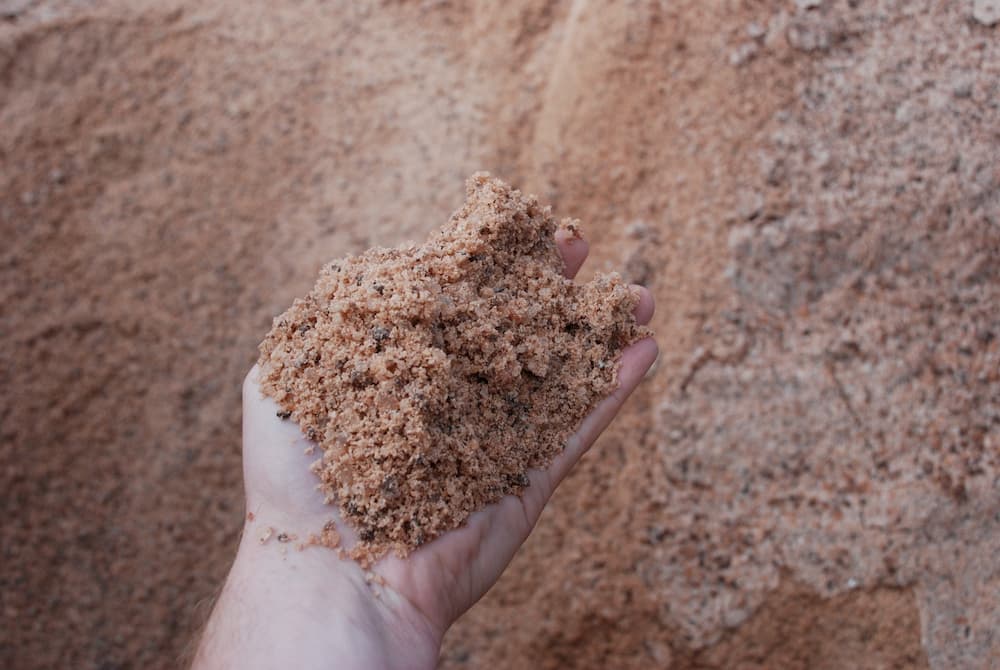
434,376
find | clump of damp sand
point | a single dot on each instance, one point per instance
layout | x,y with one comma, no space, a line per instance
433,377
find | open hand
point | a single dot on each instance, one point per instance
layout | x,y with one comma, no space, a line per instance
308,608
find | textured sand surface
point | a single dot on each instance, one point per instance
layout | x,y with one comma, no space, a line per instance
808,479
433,377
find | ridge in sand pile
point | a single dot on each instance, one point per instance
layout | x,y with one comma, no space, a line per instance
434,376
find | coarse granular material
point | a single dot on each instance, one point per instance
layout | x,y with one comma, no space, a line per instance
433,377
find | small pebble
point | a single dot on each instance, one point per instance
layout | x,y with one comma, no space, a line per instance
986,12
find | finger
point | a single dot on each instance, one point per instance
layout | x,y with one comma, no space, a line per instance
635,361
574,251
643,311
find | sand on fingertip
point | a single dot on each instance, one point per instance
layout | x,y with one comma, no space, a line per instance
433,377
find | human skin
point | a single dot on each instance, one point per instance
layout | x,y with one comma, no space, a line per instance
282,607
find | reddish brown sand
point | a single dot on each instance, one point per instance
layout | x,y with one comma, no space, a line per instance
809,189
434,377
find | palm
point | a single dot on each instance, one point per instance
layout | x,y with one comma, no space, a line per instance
445,577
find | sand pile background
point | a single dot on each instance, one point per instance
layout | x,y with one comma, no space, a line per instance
810,189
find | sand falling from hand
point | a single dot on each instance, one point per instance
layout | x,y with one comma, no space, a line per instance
433,377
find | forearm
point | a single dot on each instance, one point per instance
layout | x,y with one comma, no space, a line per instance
282,607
